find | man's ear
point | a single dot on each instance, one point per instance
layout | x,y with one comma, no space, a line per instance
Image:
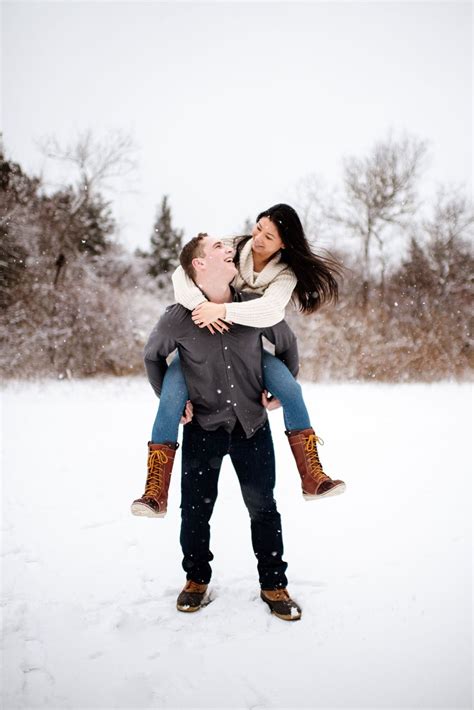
198,263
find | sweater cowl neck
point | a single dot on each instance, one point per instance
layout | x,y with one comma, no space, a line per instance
257,280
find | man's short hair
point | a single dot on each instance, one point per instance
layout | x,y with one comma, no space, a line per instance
192,250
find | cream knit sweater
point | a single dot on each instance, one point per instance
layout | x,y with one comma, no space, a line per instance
276,282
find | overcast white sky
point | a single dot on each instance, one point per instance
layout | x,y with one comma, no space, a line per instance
232,104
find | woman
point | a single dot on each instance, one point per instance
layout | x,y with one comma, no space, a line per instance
275,261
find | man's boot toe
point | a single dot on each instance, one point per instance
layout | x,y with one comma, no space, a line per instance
191,597
281,604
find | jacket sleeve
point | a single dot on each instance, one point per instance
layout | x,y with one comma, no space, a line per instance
161,342
286,346
267,310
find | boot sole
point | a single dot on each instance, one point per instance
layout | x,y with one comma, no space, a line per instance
285,617
338,490
144,511
190,609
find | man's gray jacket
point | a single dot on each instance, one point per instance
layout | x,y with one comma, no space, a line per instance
223,372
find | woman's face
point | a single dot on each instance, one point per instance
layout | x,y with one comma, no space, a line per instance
265,239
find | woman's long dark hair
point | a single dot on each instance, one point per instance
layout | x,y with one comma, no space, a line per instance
316,275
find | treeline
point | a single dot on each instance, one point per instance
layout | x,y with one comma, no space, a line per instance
405,311
74,303
418,327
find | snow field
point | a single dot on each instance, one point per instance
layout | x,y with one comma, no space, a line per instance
383,572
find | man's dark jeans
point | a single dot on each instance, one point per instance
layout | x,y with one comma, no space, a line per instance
254,462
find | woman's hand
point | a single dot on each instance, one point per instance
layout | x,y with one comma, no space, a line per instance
270,403
187,414
209,314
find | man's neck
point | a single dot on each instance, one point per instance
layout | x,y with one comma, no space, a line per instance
215,292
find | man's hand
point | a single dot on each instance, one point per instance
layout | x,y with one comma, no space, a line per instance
270,404
208,314
187,414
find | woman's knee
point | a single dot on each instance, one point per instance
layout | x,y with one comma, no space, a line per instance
174,377
174,393
285,389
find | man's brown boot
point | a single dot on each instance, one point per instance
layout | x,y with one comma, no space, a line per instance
154,501
191,596
314,482
281,604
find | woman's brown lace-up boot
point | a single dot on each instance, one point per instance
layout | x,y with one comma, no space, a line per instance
154,501
314,482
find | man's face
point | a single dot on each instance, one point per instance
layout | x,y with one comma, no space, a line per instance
217,262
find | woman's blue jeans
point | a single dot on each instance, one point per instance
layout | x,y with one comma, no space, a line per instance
276,376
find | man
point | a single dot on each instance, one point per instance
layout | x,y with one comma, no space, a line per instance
224,378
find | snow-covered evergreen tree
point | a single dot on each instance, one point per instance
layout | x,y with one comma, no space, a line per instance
166,242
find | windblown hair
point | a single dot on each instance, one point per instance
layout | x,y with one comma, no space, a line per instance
192,250
316,274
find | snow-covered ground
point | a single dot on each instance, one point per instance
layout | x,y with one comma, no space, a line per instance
383,573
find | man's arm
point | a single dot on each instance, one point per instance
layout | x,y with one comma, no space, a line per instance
286,347
161,342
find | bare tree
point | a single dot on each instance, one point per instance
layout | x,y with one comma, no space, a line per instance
311,200
450,233
98,162
379,193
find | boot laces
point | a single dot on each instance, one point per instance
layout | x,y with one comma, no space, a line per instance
154,481
315,465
